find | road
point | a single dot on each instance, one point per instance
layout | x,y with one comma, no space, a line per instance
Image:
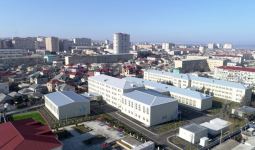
158,138
23,110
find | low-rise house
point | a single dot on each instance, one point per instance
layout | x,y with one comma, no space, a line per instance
5,98
4,88
244,111
64,87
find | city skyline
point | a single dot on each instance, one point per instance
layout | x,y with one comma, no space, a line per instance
162,21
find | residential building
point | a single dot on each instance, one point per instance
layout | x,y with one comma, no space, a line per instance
27,60
227,46
146,106
192,133
121,43
231,91
168,46
211,46
236,74
244,111
111,58
24,43
27,134
67,104
234,58
82,41
4,88
52,44
214,63
4,53
191,65
186,97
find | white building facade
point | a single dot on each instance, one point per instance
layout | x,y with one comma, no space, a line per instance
121,43
67,104
148,107
231,91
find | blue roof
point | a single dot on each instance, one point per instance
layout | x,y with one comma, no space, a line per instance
65,97
171,89
149,97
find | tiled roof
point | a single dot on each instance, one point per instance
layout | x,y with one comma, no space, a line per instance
27,135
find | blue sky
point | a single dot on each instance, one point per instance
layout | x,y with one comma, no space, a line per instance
181,21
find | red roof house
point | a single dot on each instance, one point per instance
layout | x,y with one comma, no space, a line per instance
27,134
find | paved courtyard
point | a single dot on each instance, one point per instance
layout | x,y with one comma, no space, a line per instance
99,128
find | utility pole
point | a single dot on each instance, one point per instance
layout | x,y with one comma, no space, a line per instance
220,135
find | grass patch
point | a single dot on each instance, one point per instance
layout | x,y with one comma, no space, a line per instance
63,134
33,114
81,129
182,143
168,126
221,106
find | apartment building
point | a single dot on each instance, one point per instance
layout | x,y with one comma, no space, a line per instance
214,63
191,65
186,97
147,106
4,53
52,44
121,43
231,91
24,43
111,58
236,74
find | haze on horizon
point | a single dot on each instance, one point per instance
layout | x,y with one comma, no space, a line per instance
186,21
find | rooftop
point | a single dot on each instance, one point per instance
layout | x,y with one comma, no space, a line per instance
149,97
172,89
116,82
174,75
195,128
65,97
238,68
27,135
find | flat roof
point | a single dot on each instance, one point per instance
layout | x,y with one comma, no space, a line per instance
195,128
172,89
65,97
149,97
116,82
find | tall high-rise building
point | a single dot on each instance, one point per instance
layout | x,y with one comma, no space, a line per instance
211,46
167,46
121,43
82,41
227,46
52,44
24,43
